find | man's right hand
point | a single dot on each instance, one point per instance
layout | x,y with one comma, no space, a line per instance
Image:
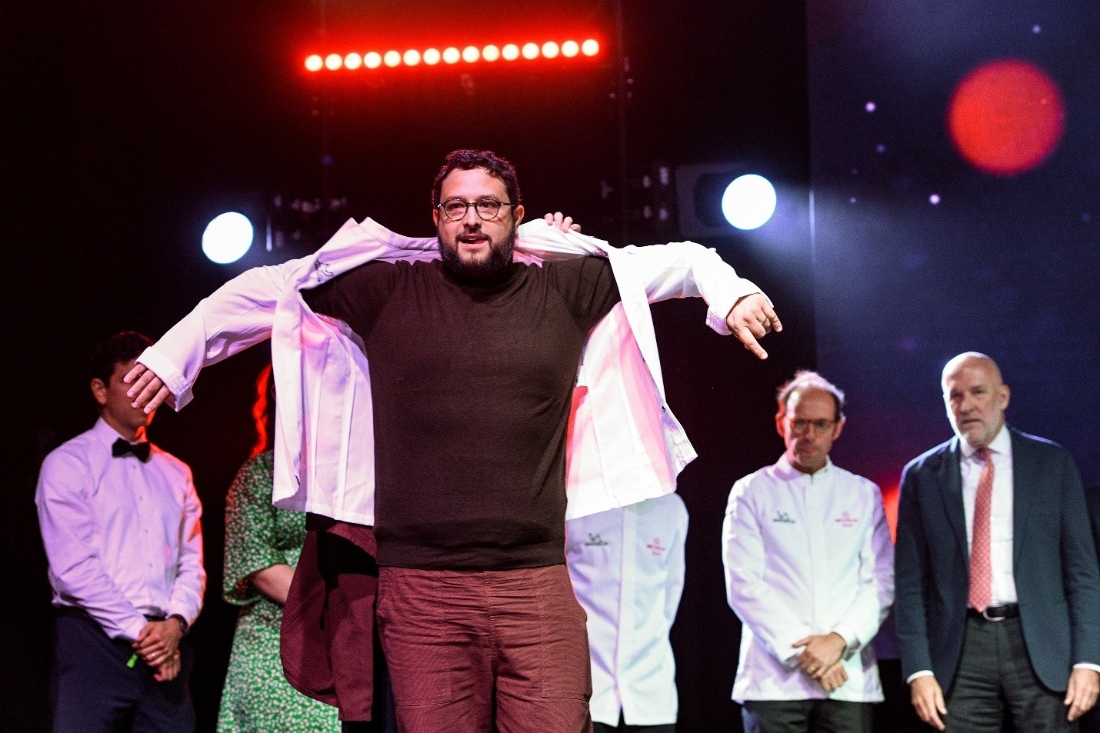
833,678
147,391
168,669
927,698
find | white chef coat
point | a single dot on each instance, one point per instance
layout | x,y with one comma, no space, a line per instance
627,567
122,536
806,554
635,446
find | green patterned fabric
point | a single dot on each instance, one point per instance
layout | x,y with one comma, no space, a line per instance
257,696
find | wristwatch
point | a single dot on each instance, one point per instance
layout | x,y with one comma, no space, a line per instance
184,626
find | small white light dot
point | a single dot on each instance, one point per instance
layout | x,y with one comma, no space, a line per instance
880,148
1036,29
934,199
852,200
870,106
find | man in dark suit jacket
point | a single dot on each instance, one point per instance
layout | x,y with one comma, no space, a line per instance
998,589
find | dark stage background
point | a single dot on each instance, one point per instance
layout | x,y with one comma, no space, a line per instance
128,126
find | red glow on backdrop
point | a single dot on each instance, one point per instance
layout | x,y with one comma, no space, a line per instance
1006,117
890,507
530,51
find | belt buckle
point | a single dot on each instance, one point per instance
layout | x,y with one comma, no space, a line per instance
987,617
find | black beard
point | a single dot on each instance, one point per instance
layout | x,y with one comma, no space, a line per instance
500,256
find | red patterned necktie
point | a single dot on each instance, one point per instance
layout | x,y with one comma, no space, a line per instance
981,568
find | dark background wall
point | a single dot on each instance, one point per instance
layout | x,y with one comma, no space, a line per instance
127,126
920,255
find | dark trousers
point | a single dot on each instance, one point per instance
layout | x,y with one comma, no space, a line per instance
995,676
93,689
467,650
622,727
806,716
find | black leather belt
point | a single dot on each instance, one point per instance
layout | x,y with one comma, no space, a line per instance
996,613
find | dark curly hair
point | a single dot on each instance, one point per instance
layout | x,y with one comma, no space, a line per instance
115,350
468,160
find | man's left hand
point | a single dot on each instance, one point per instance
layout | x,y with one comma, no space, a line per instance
1084,685
560,221
821,652
833,678
158,641
752,318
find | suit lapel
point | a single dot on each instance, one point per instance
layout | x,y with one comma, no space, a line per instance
951,480
1025,484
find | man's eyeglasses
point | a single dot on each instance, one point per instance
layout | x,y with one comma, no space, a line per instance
487,209
819,426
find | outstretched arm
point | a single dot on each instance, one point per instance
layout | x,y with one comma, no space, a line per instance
237,315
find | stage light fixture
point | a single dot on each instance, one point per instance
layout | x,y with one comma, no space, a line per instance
452,55
749,201
227,238
717,199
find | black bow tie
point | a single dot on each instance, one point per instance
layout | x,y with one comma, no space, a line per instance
122,447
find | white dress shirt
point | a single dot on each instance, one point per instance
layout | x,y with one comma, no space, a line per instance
626,445
627,567
122,537
806,555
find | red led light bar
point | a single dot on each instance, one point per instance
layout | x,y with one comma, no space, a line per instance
452,55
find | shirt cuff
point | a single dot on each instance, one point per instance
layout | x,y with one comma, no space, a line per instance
851,641
131,632
1087,665
172,377
922,673
722,305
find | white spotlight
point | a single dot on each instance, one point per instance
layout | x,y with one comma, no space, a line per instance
749,201
227,237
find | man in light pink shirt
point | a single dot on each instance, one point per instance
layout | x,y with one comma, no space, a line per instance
120,525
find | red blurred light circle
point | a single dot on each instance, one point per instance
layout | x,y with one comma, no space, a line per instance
372,60
353,61
1006,117
392,58
510,52
590,47
470,54
490,53
333,61
451,55
550,50
411,57
314,63
569,49
530,50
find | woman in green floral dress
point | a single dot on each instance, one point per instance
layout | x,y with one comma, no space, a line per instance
262,545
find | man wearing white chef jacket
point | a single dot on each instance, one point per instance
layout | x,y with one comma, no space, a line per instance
809,571
627,568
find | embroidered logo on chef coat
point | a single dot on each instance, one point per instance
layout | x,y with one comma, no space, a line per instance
594,540
782,517
573,548
324,270
656,547
846,520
